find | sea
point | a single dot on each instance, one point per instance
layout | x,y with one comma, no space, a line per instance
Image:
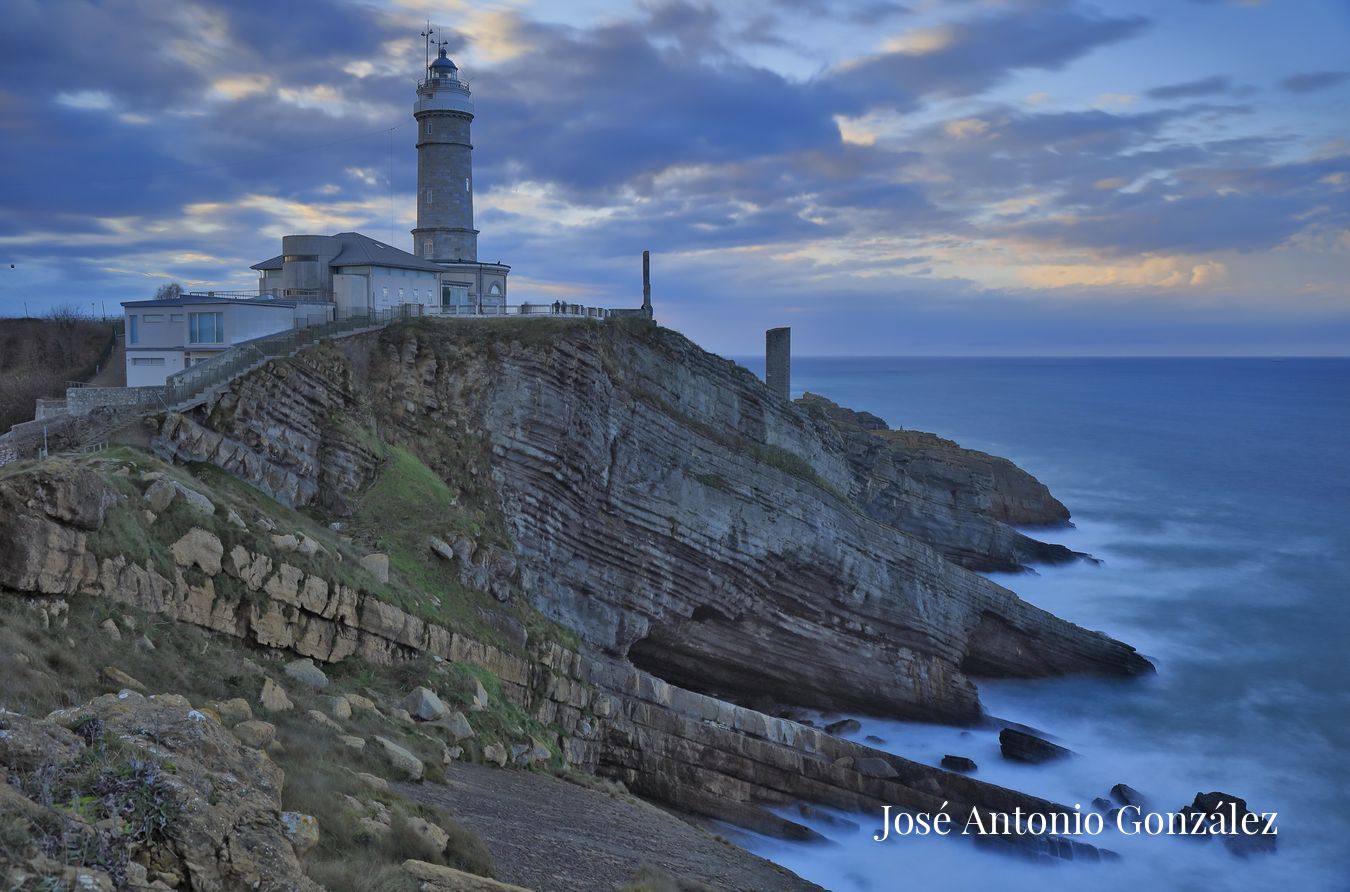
1215,494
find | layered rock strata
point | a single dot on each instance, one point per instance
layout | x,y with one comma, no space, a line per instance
666,507
965,503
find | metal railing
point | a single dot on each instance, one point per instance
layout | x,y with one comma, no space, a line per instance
534,310
229,364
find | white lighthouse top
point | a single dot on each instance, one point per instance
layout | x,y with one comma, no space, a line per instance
443,90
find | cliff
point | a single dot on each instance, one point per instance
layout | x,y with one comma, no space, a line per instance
659,502
962,502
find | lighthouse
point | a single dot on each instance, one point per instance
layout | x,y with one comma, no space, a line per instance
445,234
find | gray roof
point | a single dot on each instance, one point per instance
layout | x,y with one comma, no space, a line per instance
362,250
355,249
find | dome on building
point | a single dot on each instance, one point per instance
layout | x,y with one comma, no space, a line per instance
443,66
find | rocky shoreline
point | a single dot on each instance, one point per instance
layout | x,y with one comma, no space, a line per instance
654,555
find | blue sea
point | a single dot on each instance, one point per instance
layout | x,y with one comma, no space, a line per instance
1216,494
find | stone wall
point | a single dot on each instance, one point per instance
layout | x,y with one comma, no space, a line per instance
83,400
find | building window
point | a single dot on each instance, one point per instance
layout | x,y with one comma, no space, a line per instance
494,289
175,317
147,360
454,295
429,194
427,249
153,317
133,329
428,128
206,328
466,184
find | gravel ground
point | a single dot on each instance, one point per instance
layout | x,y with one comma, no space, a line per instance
553,836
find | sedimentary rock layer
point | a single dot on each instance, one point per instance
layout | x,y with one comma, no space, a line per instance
666,506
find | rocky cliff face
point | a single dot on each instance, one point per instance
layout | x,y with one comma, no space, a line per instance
662,503
962,502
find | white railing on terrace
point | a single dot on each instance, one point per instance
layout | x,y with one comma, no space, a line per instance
534,310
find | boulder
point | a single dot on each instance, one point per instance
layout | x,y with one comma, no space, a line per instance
404,762
323,720
200,547
287,543
273,697
438,878
337,707
1127,795
359,703
1102,804
959,763
377,565
1243,831
423,704
110,629
1020,746
480,697
119,679
872,766
305,672
301,829
843,726
440,548
372,782
233,711
496,754
432,837
456,726
352,743
255,733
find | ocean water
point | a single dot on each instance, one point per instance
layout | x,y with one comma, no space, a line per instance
1216,493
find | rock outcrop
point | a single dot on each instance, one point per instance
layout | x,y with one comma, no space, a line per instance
664,505
186,801
962,502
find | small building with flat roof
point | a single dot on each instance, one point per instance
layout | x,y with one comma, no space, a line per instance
166,336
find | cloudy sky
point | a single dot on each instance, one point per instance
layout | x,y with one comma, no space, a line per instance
915,177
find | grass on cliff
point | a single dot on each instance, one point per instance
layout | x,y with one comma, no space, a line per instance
407,503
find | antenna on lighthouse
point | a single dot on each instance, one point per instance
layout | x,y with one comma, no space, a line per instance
426,44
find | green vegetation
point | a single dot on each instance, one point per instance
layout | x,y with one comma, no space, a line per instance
714,481
115,796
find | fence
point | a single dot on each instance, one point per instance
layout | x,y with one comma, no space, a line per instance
202,376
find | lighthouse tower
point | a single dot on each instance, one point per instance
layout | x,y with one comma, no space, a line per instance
445,234
444,111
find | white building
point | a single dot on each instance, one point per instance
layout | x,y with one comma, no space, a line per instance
361,275
167,336
444,276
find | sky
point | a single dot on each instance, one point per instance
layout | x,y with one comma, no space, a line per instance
964,177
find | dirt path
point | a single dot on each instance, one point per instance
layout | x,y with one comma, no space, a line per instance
553,836
114,371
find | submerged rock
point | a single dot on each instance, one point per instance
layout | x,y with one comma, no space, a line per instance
844,726
959,763
1127,795
1020,746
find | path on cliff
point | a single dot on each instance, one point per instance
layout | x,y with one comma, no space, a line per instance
550,835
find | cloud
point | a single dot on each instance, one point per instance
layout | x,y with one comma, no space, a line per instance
1312,81
1205,86
966,57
